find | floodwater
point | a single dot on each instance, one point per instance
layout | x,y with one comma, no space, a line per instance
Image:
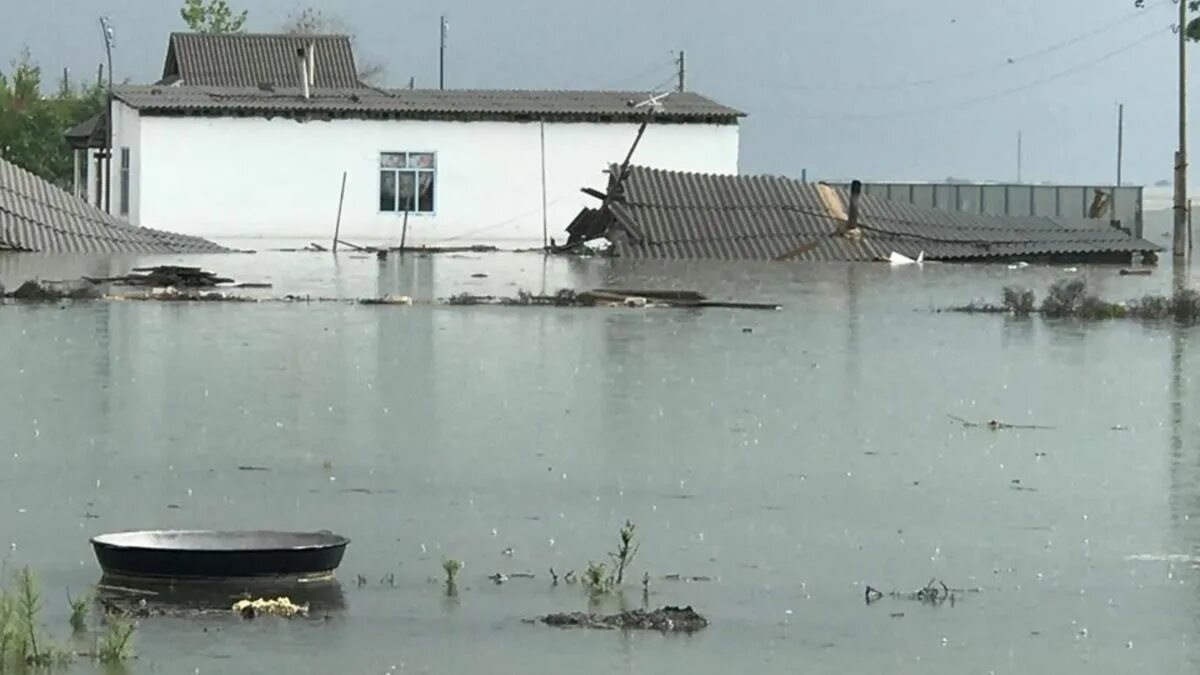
793,457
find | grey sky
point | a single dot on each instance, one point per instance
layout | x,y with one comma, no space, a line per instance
808,73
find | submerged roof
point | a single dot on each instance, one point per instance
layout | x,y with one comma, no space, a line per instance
453,104
663,214
253,59
37,216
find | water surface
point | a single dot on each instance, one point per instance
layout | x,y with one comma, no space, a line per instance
791,456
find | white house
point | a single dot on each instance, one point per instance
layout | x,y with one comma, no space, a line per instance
249,136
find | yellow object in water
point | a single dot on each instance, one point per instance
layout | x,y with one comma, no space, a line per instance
278,607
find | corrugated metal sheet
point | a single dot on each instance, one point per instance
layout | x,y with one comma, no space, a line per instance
37,216
419,103
663,214
249,60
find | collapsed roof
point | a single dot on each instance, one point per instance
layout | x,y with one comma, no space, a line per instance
673,215
37,216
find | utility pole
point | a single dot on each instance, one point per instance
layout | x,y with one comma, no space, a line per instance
1020,152
1120,140
682,63
1179,241
442,56
106,26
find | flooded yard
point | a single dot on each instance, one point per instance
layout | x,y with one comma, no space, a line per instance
776,464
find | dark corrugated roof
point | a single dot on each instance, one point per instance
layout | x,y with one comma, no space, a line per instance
663,214
420,103
249,59
88,133
37,216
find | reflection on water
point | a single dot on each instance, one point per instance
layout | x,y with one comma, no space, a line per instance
791,456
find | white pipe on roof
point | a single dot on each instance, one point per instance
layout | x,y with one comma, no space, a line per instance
303,59
311,54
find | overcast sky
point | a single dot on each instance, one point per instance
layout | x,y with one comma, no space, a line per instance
877,89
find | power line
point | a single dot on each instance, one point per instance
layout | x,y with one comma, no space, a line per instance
1020,59
656,68
1003,92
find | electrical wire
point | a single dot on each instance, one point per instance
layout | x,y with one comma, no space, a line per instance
1003,92
656,68
981,70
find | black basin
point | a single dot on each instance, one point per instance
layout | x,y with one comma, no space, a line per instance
206,555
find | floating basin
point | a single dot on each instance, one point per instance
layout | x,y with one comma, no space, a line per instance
217,555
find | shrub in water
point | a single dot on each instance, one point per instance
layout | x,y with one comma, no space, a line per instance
1019,300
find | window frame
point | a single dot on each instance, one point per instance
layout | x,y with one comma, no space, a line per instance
416,173
126,174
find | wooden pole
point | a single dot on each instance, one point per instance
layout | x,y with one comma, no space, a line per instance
442,55
682,70
337,228
545,216
1179,241
1120,141
1020,152
404,232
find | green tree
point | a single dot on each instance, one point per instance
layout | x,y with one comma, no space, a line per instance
32,125
212,16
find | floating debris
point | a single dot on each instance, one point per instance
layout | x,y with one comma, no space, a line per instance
995,425
51,291
195,285
936,592
282,607
392,299
687,579
666,620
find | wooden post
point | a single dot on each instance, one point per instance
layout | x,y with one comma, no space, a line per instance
1179,243
442,55
337,228
545,216
404,232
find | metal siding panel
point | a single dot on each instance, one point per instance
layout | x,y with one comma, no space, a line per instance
1072,202
992,200
1020,200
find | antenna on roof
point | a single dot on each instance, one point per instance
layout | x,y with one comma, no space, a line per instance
654,103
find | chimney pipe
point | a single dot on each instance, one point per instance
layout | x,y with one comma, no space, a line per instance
311,54
852,212
303,63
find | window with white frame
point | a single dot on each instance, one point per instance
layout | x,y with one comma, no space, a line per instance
406,182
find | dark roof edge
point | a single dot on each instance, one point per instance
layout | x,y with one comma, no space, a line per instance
327,115
252,36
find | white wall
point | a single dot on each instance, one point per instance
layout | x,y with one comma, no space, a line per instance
252,177
126,133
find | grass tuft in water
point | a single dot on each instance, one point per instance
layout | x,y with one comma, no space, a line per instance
113,646
20,642
623,557
596,579
79,608
451,567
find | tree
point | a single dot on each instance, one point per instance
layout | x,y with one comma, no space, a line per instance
311,21
32,126
212,16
